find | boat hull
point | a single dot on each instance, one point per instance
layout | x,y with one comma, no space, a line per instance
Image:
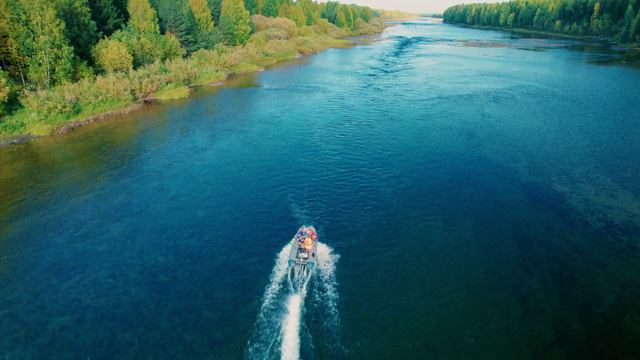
302,259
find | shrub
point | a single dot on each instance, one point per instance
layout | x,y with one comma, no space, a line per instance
307,45
110,88
259,22
13,125
262,23
112,55
364,28
209,76
306,31
147,80
81,70
264,36
181,71
149,48
49,106
202,57
228,57
279,49
294,13
171,47
322,26
325,27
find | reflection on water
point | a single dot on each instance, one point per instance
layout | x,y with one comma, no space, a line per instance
33,171
595,52
484,199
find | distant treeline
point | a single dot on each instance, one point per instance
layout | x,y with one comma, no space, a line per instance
618,20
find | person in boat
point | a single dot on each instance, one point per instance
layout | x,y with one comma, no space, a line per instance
307,244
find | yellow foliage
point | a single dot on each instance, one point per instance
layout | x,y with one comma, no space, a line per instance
181,71
142,17
4,87
112,55
263,23
202,14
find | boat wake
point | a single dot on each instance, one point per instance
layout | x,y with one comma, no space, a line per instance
290,349
280,324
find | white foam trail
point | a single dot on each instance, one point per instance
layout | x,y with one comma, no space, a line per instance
290,349
325,300
277,275
266,332
279,321
326,273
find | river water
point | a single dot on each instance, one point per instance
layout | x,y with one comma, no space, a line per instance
478,194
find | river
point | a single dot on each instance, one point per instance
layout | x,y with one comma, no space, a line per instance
477,194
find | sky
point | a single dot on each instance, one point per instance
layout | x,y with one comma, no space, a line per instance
416,6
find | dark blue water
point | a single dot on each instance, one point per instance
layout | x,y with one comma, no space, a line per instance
482,192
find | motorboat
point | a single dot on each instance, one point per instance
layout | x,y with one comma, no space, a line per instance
302,260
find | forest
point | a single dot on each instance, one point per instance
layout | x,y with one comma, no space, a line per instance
617,20
63,60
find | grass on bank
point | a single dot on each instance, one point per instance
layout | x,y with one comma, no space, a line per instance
274,40
210,77
172,92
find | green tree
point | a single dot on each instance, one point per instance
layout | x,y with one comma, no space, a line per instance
510,20
177,18
142,18
270,8
50,58
112,55
557,27
202,14
627,23
171,48
107,16
341,20
311,11
80,29
538,20
594,18
149,48
293,12
348,16
365,14
234,22
330,12
612,18
142,36
216,6
205,36
252,6
635,30
12,30
5,90
5,28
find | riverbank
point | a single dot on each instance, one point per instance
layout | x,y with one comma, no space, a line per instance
59,110
585,21
552,35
